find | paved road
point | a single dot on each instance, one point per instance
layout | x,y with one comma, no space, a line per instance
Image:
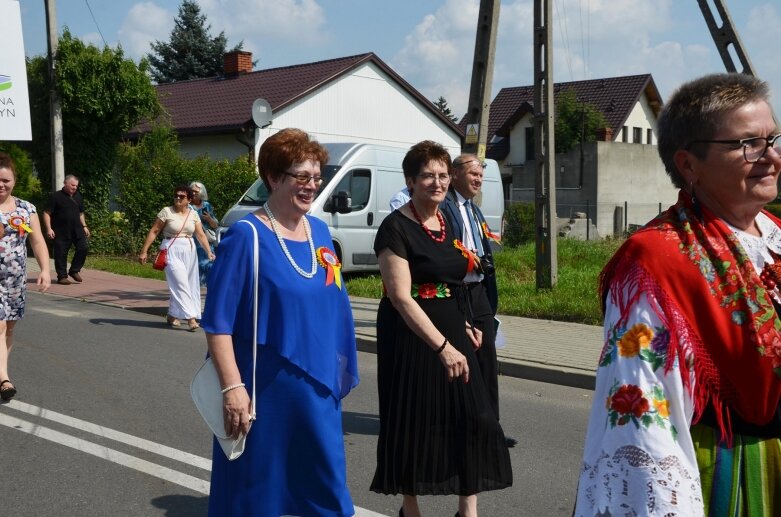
103,424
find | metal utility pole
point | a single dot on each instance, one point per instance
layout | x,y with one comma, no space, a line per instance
482,77
55,107
725,36
544,147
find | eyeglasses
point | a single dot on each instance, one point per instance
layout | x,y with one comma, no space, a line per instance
180,196
459,164
304,179
754,148
429,177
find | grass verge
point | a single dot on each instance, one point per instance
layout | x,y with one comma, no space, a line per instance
573,299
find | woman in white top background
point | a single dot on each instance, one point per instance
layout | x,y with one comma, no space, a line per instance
179,224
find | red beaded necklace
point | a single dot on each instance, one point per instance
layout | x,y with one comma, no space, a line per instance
441,220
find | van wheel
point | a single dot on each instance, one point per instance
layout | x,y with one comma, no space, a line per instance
338,252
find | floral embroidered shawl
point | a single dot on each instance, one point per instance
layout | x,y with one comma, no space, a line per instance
712,298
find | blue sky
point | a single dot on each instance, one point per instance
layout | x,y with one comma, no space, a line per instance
431,42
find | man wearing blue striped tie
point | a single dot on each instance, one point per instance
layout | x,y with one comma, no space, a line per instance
467,223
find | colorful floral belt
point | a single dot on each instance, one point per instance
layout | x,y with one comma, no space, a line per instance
427,291
431,290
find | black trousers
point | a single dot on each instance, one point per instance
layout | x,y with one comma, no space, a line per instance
62,244
483,317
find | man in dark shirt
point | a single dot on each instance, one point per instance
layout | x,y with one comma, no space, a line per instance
64,222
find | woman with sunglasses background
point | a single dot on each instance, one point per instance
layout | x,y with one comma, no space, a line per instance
687,406
179,224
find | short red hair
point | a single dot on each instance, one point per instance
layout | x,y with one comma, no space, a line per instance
281,150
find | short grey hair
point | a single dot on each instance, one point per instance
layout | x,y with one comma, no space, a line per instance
70,177
696,112
203,194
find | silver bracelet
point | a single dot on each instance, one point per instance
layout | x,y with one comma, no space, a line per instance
232,387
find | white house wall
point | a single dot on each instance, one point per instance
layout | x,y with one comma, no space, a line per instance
641,116
364,106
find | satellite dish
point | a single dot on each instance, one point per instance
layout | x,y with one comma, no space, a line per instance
261,113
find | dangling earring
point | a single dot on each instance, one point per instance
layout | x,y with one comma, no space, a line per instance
696,207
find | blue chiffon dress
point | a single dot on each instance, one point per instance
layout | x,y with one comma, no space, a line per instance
294,461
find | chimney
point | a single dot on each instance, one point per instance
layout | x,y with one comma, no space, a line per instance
604,134
237,62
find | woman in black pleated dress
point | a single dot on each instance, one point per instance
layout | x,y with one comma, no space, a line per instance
438,432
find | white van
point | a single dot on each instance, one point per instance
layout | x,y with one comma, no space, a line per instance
359,181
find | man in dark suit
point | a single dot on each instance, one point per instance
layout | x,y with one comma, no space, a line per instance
469,226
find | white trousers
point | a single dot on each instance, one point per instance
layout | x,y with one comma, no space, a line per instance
181,273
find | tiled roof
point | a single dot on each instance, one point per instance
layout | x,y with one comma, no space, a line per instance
615,97
222,104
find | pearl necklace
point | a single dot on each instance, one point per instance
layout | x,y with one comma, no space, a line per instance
275,229
441,220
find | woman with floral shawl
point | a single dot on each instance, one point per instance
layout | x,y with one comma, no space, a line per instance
686,417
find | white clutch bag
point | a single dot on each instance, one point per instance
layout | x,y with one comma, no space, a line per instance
207,394
206,389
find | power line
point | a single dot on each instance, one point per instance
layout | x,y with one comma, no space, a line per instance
582,44
96,23
565,38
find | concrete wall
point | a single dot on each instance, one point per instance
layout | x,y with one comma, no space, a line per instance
627,173
632,174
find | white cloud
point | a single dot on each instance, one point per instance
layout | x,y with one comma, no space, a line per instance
300,22
437,55
144,23
761,37
596,39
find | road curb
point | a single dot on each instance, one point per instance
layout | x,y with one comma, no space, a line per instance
551,374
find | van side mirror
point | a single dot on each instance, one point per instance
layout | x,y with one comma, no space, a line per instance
340,202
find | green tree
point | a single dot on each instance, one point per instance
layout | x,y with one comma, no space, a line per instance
27,185
103,95
191,52
443,108
576,121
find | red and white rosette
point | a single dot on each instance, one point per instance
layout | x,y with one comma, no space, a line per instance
330,262
17,223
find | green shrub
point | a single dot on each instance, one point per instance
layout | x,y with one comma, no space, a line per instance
519,224
149,170
774,208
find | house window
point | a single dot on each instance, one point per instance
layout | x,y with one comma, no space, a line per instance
625,134
637,135
529,143
649,134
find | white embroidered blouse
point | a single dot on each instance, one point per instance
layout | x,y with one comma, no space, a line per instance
639,458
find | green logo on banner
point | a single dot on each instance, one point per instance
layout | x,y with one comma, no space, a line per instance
5,82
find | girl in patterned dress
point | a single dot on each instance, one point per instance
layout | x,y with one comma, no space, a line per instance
18,220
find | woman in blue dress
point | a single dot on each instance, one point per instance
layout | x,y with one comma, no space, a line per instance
203,208
294,461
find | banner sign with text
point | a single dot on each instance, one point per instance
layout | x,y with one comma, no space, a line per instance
14,99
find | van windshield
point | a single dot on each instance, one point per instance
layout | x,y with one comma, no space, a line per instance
257,194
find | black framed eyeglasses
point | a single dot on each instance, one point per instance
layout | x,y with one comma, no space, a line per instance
180,196
754,148
304,179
